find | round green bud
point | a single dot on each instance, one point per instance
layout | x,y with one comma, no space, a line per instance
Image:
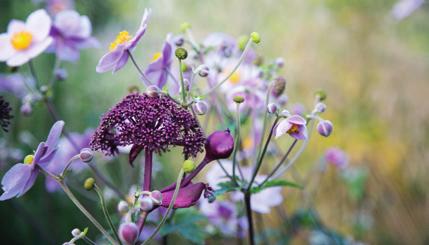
181,53
256,38
89,184
242,41
185,26
188,166
238,99
320,95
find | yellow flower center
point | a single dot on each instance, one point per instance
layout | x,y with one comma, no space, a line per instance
156,56
21,40
29,159
247,143
121,38
235,78
293,129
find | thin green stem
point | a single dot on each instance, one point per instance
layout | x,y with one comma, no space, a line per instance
170,207
240,60
182,83
62,175
106,213
237,143
264,126
140,71
33,73
264,150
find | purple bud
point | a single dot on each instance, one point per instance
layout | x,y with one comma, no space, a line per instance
123,207
279,86
61,74
157,197
201,107
219,145
146,203
272,108
279,62
179,41
282,100
26,109
203,70
128,233
324,127
320,107
86,155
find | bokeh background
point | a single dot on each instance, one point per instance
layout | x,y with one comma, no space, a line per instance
374,68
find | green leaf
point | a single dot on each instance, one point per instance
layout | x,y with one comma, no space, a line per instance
225,187
274,183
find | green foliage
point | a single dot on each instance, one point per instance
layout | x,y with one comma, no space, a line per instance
225,187
275,183
188,224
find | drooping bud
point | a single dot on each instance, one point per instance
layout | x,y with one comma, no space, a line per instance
320,107
203,70
122,207
242,41
219,145
320,95
128,233
201,107
325,127
76,232
89,184
238,99
146,203
188,166
279,86
256,38
181,53
86,155
152,90
272,108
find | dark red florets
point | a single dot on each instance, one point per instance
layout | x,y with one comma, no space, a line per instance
150,123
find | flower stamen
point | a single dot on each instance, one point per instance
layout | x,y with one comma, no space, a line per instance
21,40
121,38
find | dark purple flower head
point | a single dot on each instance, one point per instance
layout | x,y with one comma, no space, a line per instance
150,123
4,114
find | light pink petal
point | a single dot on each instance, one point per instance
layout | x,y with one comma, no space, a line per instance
6,49
39,24
38,48
296,119
109,60
85,27
15,26
18,59
282,128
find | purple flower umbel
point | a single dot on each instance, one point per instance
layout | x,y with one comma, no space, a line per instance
150,123
21,177
4,114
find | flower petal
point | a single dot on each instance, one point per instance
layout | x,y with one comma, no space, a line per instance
6,49
121,62
38,48
14,181
282,128
18,59
39,24
142,29
109,60
54,136
15,26
296,119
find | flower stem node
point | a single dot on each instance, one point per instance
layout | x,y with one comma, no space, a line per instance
321,95
256,38
123,207
128,233
185,26
146,203
89,184
188,166
242,41
181,53
86,155
272,108
238,99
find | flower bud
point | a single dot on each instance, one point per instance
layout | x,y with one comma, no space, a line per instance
89,184
128,233
86,155
133,89
211,198
157,197
181,53
179,41
152,90
188,166
272,108
26,109
242,41
285,113
279,86
279,62
256,38
122,207
320,107
320,95
76,232
185,26
238,99
201,107
146,203
219,145
203,70
61,74
282,100
324,127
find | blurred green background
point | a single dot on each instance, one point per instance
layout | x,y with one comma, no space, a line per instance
374,68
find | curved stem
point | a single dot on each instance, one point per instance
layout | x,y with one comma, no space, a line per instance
264,150
170,206
240,60
106,213
249,216
62,175
140,71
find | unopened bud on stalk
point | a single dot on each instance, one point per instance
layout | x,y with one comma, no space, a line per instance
156,197
179,41
272,108
89,184
201,107
86,155
181,53
256,38
76,232
238,99
188,166
279,62
219,145
128,233
152,90
320,95
146,203
320,107
123,207
26,109
203,70
279,86
242,41
324,127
